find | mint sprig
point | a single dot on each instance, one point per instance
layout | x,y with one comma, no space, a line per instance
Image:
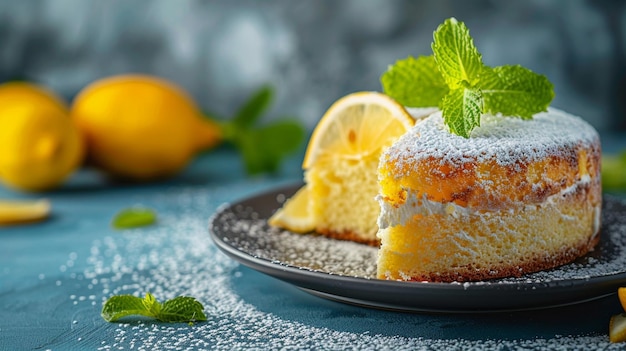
456,80
178,309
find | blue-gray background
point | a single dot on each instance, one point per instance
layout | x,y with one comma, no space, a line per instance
313,52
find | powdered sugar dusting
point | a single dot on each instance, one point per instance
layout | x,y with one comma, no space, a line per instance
178,258
505,139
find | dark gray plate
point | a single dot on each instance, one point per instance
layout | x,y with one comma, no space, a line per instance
345,271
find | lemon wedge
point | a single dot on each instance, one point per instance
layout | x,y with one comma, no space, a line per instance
23,211
617,325
617,328
294,215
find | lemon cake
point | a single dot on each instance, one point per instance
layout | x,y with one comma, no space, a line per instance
518,196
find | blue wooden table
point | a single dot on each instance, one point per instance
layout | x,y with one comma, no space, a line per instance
55,275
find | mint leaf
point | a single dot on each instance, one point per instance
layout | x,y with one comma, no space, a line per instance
120,306
178,309
415,82
462,109
182,309
134,217
250,112
151,305
515,91
457,58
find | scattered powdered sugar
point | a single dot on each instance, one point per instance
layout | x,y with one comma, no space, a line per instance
177,257
505,139
310,252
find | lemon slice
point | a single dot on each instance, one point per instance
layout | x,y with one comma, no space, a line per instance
357,126
23,211
294,215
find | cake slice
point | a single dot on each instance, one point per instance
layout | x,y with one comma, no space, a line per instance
518,196
340,165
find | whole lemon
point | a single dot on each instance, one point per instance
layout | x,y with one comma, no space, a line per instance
40,145
141,127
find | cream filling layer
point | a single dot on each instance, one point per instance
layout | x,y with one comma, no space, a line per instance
391,215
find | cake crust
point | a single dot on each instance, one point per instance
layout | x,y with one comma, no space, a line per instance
348,236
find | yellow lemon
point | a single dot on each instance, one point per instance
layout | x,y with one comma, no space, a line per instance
40,144
141,127
341,166
23,211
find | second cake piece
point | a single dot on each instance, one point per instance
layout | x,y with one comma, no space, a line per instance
517,197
